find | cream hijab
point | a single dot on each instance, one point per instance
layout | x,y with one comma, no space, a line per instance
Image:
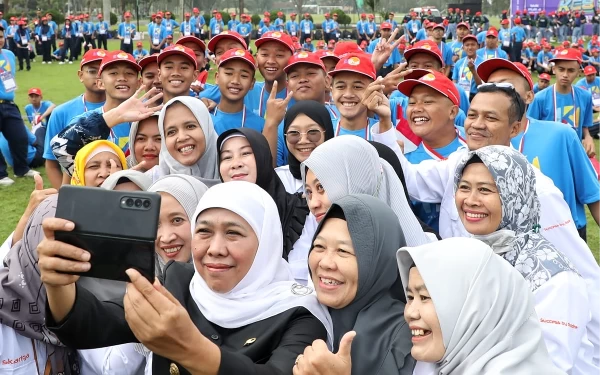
207,167
131,160
268,288
485,309
351,165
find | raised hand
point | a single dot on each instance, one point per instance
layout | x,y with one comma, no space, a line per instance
135,108
276,108
384,49
318,360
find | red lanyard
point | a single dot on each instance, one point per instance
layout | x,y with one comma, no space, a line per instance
554,104
243,114
331,111
522,142
337,130
436,155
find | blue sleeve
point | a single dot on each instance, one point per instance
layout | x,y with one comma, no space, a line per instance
81,131
464,99
29,112
121,30
447,56
52,129
540,58
371,46
455,70
31,137
282,153
588,117
587,188
175,23
460,118
163,33
535,111
396,59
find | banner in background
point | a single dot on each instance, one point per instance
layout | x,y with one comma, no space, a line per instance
535,6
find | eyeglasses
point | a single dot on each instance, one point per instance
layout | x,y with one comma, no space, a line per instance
313,135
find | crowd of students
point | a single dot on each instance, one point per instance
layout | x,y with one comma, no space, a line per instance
328,220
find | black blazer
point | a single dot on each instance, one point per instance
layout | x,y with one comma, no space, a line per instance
269,346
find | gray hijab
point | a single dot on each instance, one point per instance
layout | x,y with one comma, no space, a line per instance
350,165
485,309
187,190
138,178
383,342
207,166
517,238
131,160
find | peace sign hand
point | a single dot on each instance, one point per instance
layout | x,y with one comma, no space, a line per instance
276,108
384,49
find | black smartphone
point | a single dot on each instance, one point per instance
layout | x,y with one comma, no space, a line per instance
117,228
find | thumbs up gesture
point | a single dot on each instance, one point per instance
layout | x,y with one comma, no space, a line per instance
318,360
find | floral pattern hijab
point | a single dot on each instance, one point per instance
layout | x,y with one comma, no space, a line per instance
517,238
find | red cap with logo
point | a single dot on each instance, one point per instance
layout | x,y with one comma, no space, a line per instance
34,91
212,44
359,63
463,24
568,54
438,26
145,61
436,81
492,33
196,10
545,77
505,22
304,57
92,55
177,49
115,57
192,39
276,36
342,48
424,46
386,25
587,70
324,54
238,54
486,68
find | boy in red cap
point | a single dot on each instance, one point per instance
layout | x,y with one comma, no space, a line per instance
413,26
292,27
543,60
591,82
437,36
199,22
361,29
328,28
126,32
178,69
244,28
235,77
101,32
149,74
199,49
157,33
169,24
118,76
38,110
188,26
543,22
456,46
266,27
308,46
216,25
564,102
279,23
232,24
394,60
465,70
92,98
140,52
306,28
543,82
491,49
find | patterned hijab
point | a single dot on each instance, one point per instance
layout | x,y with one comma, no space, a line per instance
517,238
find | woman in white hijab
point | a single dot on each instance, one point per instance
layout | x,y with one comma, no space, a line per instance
350,165
470,312
237,305
188,141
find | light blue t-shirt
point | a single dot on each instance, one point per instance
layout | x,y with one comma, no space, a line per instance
306,26
211,92
593,88
61,117
256,99
394,57
137,54
7,64
5,149
576,114
487,54
570,168
157,33
223,121
232,24
518,33
457,49
421,35
364,133
292,27
170,25
125,29
216,27
244,29
32,112
463,77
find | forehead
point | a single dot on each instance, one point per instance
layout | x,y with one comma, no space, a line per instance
150,68
228,44
272,46
567,64
496,102
303,67
347,77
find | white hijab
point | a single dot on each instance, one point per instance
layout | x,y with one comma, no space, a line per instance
268,288
351,165
207,167
485,309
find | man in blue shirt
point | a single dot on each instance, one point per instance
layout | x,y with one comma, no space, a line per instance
491,49
306,28
169,24
361,29
245,28
232,24
88,34
413,26
291,26
465,69
456,46
565,103
125,33
188,26
11,122
505,38
437,36
54,28
550,146
157,33
591,82
518,36
543,82
199,21
235,77
394,60
92,98
327,28
101,29
140,52
38,110
279,24
216,25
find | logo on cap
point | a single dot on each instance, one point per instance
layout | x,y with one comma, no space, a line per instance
225,32
240,52
564,52
122,55
428,77
100,53
276,34
178,48
302,55
426,46
354,61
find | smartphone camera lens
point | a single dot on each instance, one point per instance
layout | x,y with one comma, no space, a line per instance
129,202
146,204
138,203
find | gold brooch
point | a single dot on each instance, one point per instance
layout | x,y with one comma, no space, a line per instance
173,369
250,341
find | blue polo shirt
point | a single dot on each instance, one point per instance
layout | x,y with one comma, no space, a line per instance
32,112
7,64
223,121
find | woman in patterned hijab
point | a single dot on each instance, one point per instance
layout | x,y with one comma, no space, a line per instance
497,203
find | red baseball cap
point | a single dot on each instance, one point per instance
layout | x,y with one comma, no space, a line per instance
170,37
212,44
238,54
342,48
505,22
486,68
386,25
114,57
145,61
424,46
324,54
371,16
436,81
92,55
188,15
196,10
517,21
280,13
587,70
34,91
127,14
438,26
192,39
266,14
464,24
359,63
492,32
545,76
304,57
568,54
326,14
276,36
139,44
177,49
167,13
470,37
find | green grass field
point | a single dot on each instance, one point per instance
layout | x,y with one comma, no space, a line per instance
59,83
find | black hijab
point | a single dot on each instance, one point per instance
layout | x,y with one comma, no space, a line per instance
390,156
383,341
292,208
319,114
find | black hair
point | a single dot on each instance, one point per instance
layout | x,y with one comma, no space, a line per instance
517,105
474,160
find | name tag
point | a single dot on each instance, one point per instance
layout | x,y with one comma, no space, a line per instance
44,38
506,43
24,41
127,40
307,29
596,99
102,31
466,85
8,81
155,41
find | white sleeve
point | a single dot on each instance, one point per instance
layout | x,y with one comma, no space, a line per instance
113,360
426,181
563,309
5,248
